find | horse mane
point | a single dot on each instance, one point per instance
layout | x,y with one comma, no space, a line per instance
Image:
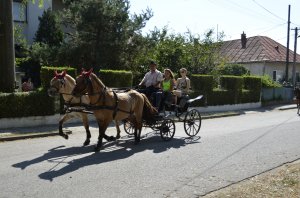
70,79
97,80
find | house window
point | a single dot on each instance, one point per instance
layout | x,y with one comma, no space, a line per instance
19,11
274,75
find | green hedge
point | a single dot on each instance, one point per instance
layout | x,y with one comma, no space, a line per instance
116,78
253,83
202,82
47,73
23,104
231,82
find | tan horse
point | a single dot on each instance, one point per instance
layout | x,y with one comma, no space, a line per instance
63,83
108,105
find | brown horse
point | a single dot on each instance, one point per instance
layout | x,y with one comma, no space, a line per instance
108,105
62,83
297,94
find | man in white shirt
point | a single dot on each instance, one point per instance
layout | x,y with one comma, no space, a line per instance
151,81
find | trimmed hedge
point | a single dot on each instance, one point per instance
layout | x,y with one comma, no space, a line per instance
231,82
47,73
24,104
116,78
253,83
202,82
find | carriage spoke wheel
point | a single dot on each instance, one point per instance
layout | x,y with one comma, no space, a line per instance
192,122
128,127
167,129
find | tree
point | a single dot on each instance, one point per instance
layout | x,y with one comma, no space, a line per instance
102,30
49,31
7,53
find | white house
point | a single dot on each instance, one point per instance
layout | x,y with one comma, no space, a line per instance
261,55
26,15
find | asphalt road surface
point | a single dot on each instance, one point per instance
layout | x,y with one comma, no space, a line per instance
227,150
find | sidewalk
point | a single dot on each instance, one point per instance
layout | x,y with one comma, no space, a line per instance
52,130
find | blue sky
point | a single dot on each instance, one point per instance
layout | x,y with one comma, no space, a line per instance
254,17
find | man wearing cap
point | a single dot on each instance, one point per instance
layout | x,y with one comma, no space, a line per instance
151,81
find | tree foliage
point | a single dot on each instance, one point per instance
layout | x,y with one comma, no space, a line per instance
49,30
102,32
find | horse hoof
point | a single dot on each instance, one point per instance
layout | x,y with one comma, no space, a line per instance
118,137
111,138
87,142
97,149
66,136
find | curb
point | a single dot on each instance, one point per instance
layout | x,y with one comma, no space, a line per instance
46,134
28,136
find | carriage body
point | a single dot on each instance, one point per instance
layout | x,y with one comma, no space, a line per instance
165,124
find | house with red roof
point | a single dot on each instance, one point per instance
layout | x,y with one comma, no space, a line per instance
261,55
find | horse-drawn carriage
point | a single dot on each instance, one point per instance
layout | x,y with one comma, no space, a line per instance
130,106
165,124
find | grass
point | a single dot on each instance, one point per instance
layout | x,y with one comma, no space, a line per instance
280,182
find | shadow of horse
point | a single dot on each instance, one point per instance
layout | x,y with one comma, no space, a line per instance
111,151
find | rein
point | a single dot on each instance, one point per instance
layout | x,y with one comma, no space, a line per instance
115,108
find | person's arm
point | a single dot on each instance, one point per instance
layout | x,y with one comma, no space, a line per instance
143,81
188,82
172,85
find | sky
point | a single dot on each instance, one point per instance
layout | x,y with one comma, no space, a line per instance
232,17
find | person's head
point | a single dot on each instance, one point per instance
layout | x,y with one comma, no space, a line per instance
183,71
168,73
152,66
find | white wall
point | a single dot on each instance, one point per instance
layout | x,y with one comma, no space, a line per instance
33,12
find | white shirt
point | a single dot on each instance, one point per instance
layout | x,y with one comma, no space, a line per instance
152,78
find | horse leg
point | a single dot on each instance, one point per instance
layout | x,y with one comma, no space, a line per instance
136,133
86,126
106,137
118,129
102,128
61,121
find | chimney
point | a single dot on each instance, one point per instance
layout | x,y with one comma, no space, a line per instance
243,40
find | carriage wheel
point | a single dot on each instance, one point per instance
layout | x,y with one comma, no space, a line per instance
167,129
128,127
192,122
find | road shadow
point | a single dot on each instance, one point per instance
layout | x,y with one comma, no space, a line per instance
85,156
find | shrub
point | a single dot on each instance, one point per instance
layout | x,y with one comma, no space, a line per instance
47,73
23,104
233,69
267,82
202,82
231,82
116,78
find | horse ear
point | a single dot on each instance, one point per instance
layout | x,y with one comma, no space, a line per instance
82,71
89,72
55,74
64,73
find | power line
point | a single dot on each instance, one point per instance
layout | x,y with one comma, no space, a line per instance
268,11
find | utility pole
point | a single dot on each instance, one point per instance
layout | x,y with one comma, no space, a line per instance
287,47
295,54
7,49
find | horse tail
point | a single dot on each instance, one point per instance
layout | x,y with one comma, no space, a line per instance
148,111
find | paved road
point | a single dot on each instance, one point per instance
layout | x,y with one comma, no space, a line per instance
229,150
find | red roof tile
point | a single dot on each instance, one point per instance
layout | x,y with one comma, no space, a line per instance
258,49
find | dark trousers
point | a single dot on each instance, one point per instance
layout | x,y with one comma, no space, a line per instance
150,92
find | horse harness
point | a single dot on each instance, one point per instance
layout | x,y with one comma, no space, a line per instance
115,108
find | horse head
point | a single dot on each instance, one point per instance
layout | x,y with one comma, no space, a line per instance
83,81
56,83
